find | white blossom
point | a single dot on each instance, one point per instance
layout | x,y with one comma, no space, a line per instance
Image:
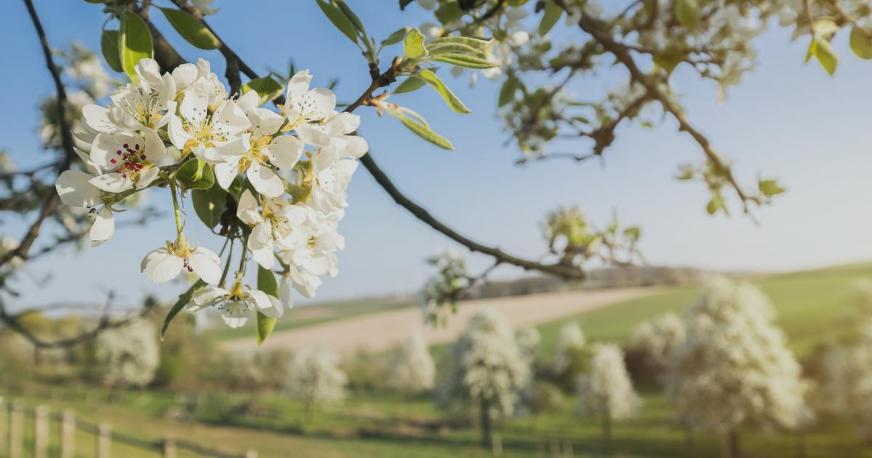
570,344
658,338
412,369
128,355
165,263
734,367
237,304
607,391
314,378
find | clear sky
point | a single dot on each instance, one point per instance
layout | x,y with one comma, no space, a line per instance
787,120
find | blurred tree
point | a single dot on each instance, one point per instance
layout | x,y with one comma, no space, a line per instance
571,357
411,369
315,379
487,371
606,391
128,355
734,368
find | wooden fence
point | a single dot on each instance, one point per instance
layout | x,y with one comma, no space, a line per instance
15,417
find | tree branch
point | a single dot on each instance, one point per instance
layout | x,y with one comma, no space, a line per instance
51,200
378,81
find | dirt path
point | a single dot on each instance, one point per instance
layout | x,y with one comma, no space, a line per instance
379,331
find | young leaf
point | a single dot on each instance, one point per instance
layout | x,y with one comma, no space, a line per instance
405,3
338,18
195,173
823,51
183,300
355,21
134,42
507,91
414,122
449,97
395,37
191,29
109,47
715,204
461,60
265,326
770,188
687,12
669,59
412,83
861,43
266,87
266,282
209,204
552,14
413,45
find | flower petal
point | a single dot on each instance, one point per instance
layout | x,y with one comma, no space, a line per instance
208,295
97,118
264,122
226,172
113,182
285,151
178,135
318,104
103,227
161,266
247,209
206,264
229,120
313,135
75,189
264,180
155,149
194,104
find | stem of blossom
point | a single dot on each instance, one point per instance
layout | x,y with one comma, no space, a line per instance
241,270
177,210
227,264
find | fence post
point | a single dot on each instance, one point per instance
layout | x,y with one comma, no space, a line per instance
40,431
251,454
16,423
3,431
68,434
104,436
169,448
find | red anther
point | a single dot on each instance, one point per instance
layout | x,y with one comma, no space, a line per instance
113,161
136,146
123,175
126,145
118,151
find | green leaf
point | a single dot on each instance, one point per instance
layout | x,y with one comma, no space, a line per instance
414,122
861,43
338,18
410,84
405,3
687,12
413,45
184,299
395,37
191,29
448,11
210,204
265,326
770,188
355,21
507,91
715,204
134,42
823,51
552,14
266,282
109,47
195,173
461,60
669,59
266,87
449,97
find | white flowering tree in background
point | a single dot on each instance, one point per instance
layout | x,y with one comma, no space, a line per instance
264,162
658,338
606,391
315,379
846,382
571,353
734,368
412,369
127,355
487,371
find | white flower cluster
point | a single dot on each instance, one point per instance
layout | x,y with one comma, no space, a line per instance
606,390
846,386
288,172
488,368
412,369
129,355
734,367
315,378
658,338
570,345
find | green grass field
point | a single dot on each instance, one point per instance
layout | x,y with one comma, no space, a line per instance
812,308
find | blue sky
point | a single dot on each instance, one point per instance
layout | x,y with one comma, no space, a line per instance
787,120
